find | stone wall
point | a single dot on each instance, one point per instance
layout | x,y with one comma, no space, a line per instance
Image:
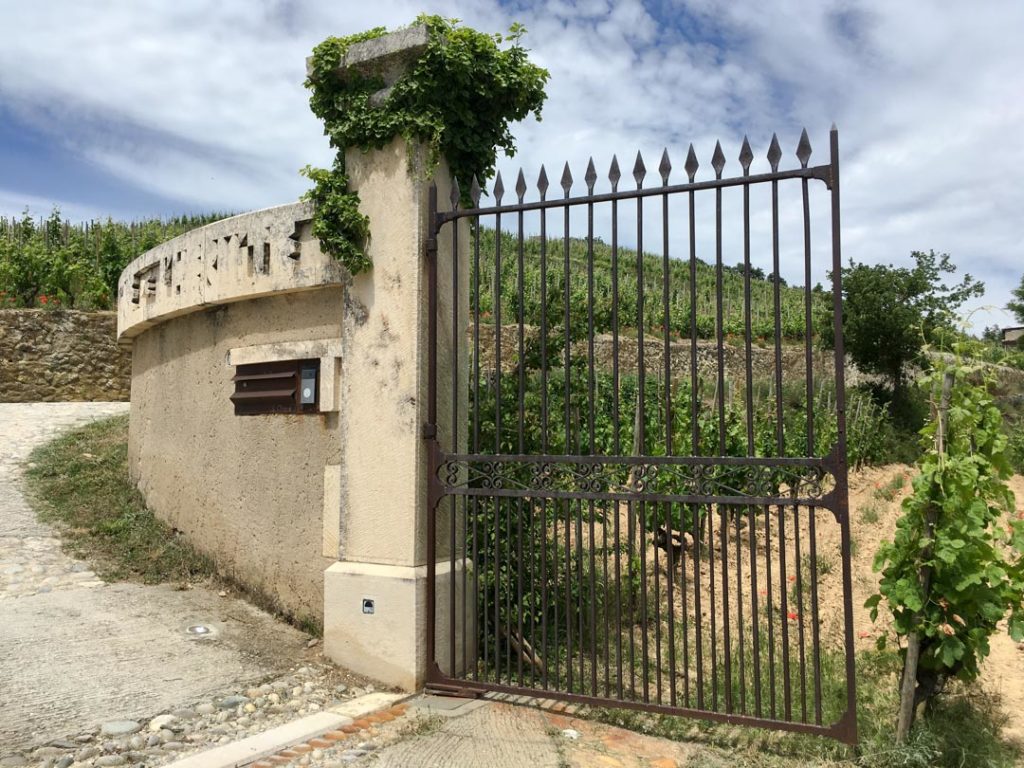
61,355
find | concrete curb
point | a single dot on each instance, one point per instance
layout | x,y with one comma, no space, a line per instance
253,748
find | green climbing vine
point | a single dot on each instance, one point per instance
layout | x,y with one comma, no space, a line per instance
458,99
955,568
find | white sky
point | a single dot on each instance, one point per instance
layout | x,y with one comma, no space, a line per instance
140,107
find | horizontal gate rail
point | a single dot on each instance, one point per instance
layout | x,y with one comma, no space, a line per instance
624,509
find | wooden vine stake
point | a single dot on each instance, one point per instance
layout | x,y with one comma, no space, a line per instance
908,688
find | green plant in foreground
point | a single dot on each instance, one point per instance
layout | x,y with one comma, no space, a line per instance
955,567
458,99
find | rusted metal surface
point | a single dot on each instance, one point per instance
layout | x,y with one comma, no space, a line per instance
622,535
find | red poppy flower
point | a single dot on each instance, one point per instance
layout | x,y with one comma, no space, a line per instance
792,616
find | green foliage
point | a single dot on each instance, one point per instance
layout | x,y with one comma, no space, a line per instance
954,525
340,227
889,312
53,264
1016,305
458,99
625,298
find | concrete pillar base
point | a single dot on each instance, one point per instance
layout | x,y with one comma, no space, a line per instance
388,644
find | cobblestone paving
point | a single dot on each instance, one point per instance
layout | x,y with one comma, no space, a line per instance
31,560
106,674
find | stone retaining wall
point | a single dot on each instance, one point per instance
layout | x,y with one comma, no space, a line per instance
62,355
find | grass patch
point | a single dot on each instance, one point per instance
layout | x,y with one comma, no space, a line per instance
962,730
869,514
888,491
79,482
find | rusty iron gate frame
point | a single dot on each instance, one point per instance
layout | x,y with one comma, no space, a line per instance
699,479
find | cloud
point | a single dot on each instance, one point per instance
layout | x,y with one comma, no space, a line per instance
202,102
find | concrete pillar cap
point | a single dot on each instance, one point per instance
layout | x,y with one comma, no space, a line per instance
388,57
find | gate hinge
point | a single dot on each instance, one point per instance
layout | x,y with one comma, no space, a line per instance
431,246
429,431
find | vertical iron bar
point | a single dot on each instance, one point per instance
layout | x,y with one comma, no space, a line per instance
497,597
695,440
568,596
749,401
542,186
669,528
567,319
781,447
640,438
477,565
431,256
453,522
800,613
811,451
496,294
591,404
841,489
616,441
521,365
632,590
723,525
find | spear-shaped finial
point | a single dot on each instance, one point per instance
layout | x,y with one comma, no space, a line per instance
590,177
691,165
803,149
718,160
520,185
614,174
774,153
746,156
665,167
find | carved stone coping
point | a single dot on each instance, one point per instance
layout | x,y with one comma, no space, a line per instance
262,253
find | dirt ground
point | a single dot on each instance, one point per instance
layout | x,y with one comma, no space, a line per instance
875,496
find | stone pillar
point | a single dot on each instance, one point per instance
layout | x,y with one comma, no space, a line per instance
382,492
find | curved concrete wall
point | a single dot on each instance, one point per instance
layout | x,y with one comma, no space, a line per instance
248,490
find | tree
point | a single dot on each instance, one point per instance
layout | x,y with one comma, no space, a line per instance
889,313
1017,305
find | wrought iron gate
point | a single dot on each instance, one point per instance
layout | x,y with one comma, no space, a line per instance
638,475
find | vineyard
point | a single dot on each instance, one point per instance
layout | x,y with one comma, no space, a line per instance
53,263
616,273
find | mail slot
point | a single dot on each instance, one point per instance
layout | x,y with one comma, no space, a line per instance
282,386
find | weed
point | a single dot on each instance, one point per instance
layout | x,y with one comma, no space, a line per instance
888,491
869,514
